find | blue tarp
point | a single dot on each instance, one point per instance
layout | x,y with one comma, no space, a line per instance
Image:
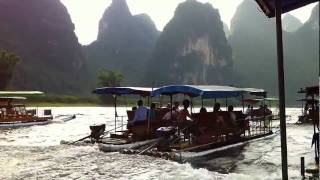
268,6
142,91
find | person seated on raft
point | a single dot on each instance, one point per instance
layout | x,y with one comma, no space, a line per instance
175,112
232,115
203,110
216,107
248,111
183,123
218,117
152,112
266,111
140,115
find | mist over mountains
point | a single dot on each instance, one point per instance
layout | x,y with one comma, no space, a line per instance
254,46
195,47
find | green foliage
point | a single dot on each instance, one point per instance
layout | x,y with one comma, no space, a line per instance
109,78
8,62
62,100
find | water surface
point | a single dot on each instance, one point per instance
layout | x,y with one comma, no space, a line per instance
35,153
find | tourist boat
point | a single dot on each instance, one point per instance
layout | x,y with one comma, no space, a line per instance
309,105
262,102
13,112
163,135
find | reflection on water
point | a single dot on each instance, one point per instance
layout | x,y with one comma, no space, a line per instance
35,153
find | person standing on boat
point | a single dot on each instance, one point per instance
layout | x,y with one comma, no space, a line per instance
141,114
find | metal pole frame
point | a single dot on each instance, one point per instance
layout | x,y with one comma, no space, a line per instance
242,104
281,86
115,113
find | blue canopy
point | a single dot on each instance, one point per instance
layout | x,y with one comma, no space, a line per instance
191,91
142,91
268,6
205,92
256,92
221,91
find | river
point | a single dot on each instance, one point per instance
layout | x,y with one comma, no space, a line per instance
35,153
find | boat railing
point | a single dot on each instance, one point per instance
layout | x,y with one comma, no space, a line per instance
120,123
260,125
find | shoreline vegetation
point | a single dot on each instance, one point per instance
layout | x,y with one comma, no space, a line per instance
50,100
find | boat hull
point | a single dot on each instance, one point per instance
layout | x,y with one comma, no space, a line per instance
119,147
210,150
16,124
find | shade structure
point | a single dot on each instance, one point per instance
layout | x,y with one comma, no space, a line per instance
256,92
12,98
311,90
20,93
268,6
221,91
189,90
204,91
256,100
142,91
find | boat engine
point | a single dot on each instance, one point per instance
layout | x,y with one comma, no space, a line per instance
97,131
164,134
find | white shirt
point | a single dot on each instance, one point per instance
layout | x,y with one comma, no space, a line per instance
248,111
167,116
141,114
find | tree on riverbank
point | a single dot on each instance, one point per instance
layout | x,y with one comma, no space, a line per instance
109,78
8,62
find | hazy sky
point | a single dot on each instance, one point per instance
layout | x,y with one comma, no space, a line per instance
86,14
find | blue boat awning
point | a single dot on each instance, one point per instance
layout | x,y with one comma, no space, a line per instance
268,6
191,91
256,92
205,92
221,91
142,91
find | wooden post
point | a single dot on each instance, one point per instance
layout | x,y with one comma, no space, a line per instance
281,86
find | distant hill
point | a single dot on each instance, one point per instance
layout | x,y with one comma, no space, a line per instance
302,54
253,41
125,43
290,23
192,48
42,34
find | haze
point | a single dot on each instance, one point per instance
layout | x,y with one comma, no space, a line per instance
86,14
